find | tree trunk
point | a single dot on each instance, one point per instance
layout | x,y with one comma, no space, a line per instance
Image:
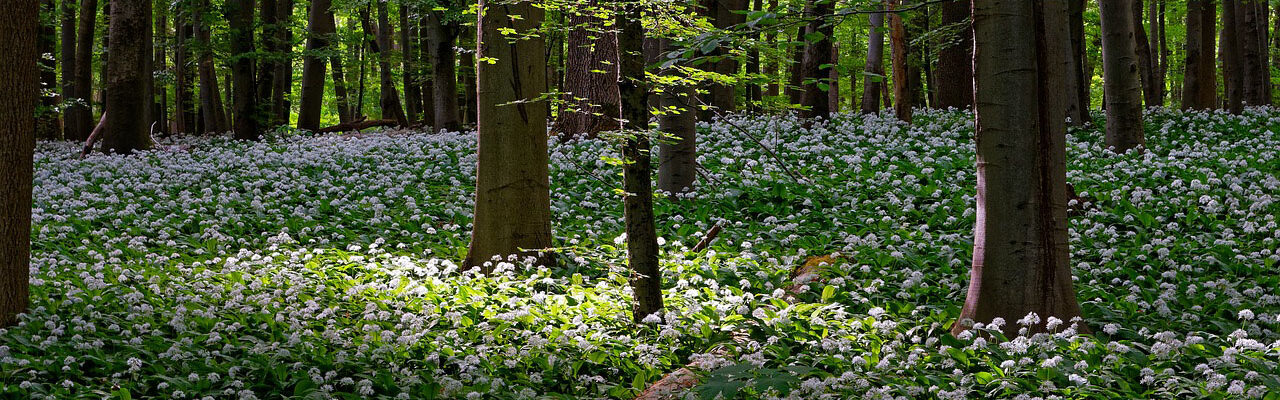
795,75
1232,61
901,73
1146,61
79,114
955,58
409,65
833,78
815,99
129,82
513,199
444,84
68,61
1199,87
211,107
677,158
1252,30
467,69
1120,80
47,127
160,109
873,73
184,115
1161,48
427,76
346,111
247,118
1020,249
771,67
642,236
754,92
320,31
723,14
283,64
1082,101
591,74
18,91
388,93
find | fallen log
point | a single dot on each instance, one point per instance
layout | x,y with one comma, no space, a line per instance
359,125
707,239
94,135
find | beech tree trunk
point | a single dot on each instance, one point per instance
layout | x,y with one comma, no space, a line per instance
955,58
591,75
754,92
280,94
79,114
1199,87
320,30
902,98
129,80
1232,62
513,199
1121,80
160,107
816,82
18,91
724,14
247,118
213,111
467,69
677,158
444,84
409,65
771,67
1252,30
346,110
184,113
1020,248
642,236
67,58
873,77
1081,101
380,45
833,78
1146,60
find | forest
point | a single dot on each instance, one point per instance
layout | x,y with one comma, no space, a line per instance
639,199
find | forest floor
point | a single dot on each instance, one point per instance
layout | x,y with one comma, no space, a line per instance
325,267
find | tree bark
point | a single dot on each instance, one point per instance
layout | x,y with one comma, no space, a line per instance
873,77
902,98
184,114
247,118
280,95
955,58
1020,249
833,78
754,92
346,111
1233,81
380,45
817,52
1161,48
68,61
441,35
771,67
1121,81
129,79
409,65
1082,100
723,14
1199,87
79,113
160,107
1146,61
513,203
591,74
467,70
1252,30
320,31
18,91
642,236
211,106
677,158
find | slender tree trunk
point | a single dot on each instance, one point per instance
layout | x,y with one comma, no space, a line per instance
1162,67
833,92
105,56
79,113
1082,100
247,118
467,69
18,92
68,61
873,77
771,67
280,94
677,158
320,31
1252,30
346,111
211,106
266,66
955,58
754,92
427,74
389,96
160,110
129,82
184,120
409,65
642,236
1121,80
901,72
1146,60
444,84
513,203
795,75
724,14
1233,81
591,74
815,98
1020,249
47,127
1199,88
